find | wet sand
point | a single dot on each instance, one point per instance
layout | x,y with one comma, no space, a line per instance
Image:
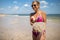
14,27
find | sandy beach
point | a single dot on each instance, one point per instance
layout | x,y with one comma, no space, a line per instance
14,27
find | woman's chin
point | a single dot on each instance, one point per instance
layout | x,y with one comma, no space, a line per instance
35,10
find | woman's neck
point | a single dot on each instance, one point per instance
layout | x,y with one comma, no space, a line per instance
37,11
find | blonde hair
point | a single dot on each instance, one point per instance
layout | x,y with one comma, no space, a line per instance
38,3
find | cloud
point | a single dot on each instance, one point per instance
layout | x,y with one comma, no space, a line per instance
24,9
44,4
15,8
26,5
1,8
15,2
9,7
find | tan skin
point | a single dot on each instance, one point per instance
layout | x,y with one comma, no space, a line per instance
38,12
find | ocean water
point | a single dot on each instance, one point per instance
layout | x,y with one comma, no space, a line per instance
49,16
53,16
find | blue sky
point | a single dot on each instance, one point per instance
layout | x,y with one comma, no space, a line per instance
24,6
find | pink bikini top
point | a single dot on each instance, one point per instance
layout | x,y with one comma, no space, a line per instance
38,19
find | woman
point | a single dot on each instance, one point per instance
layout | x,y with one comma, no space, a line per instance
35,18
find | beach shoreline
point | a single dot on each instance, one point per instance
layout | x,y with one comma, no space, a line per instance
14,27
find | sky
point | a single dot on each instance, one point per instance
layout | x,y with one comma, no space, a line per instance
24,6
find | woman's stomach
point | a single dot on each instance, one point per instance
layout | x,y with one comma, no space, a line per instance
39,26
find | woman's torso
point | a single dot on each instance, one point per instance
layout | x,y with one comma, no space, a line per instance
38,18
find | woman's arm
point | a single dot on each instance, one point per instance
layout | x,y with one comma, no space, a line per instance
44,18
31,21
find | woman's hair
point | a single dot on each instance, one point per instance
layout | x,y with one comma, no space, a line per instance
38,3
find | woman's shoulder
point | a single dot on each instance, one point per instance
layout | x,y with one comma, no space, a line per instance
43,12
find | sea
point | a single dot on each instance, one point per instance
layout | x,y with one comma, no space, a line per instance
49,16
